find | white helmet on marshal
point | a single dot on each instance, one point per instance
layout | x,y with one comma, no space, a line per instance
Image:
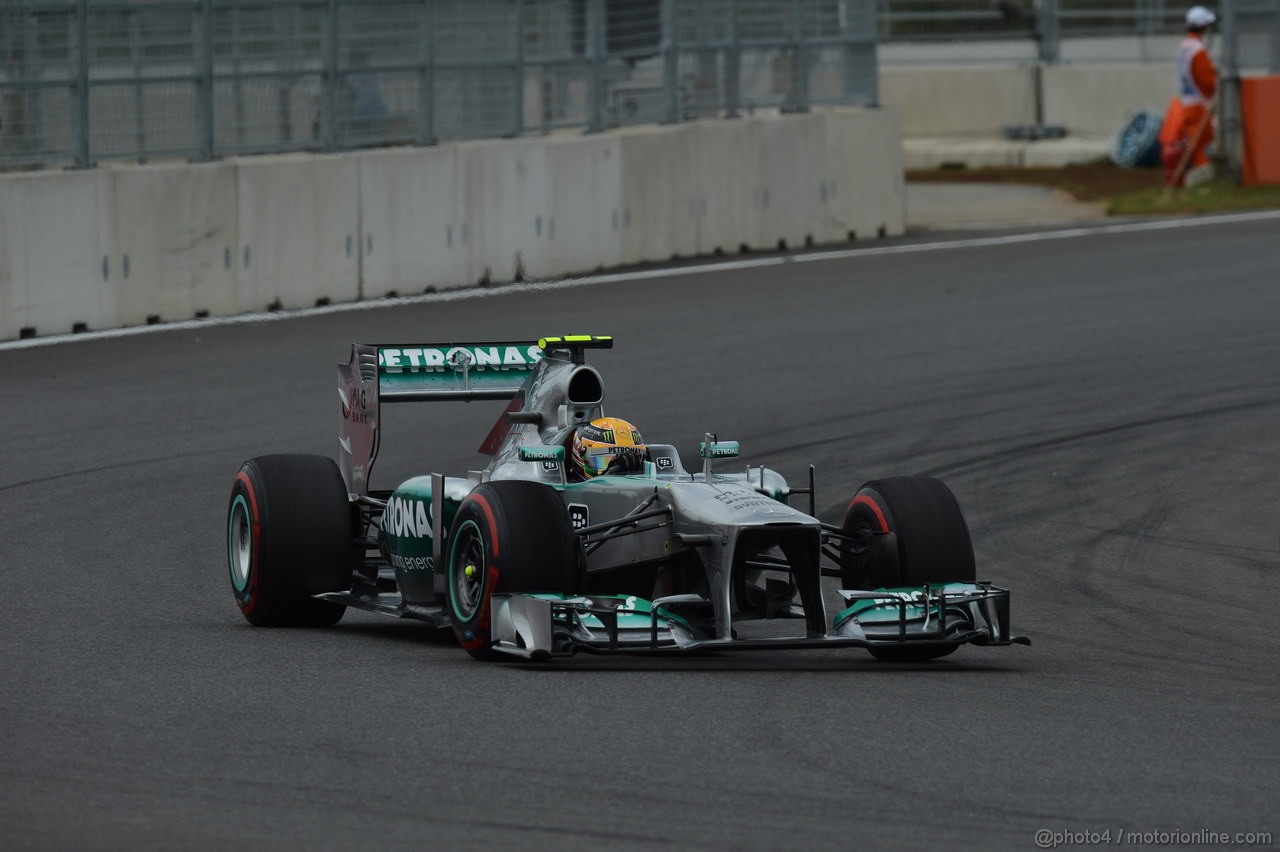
1198,17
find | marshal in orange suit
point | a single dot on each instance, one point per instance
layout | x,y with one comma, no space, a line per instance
1189,122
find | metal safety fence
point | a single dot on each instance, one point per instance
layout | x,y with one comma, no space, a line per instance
84,80
921,32
1251,32
1044,22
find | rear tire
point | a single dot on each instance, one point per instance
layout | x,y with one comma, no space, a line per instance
930,544
289,536
507,536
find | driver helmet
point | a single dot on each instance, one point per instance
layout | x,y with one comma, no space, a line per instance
604,443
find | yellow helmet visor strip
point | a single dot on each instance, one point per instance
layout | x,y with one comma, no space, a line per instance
596,460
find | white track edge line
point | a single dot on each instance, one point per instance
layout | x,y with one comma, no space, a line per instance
640,275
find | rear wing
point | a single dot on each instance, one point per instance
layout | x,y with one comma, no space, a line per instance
425,372
378,373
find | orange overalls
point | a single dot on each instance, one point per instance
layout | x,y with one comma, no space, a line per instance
1189,113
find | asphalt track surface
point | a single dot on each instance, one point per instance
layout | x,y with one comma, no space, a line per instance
1107,409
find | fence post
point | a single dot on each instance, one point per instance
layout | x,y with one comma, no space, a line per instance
81,158
670,62
204,100
1275,38
237,86
801,55
1150,23
285,24
427,77
799,96
139,97
330,78
733,64
859,31
1229,91
517,108
1047,31
595,55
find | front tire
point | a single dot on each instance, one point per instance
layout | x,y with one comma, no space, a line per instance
507,536
930,543
289,536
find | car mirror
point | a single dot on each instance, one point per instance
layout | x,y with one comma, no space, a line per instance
718,450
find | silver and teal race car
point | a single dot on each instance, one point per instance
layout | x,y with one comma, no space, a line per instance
521,561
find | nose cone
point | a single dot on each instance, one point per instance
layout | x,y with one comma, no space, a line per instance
730,504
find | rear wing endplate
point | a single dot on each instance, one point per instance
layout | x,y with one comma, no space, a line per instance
378,373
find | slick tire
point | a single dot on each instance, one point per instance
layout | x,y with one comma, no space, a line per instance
289,536
930,544
507,536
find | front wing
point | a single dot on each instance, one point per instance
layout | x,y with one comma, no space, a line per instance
538,627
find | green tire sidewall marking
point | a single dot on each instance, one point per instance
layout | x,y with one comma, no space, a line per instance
453,568
239,505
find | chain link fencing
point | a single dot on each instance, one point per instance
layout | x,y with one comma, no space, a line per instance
923,32
1251,30
1039,33
84,80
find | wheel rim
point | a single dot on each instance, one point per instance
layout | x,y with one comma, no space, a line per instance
240,543
467,571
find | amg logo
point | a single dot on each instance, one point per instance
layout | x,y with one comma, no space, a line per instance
405,517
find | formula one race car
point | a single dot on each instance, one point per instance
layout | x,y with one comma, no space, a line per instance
523,561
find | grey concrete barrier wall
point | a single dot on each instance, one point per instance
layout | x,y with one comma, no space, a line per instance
1089,100
298,230
56,252
959,100
127,245
169,233
1093,100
